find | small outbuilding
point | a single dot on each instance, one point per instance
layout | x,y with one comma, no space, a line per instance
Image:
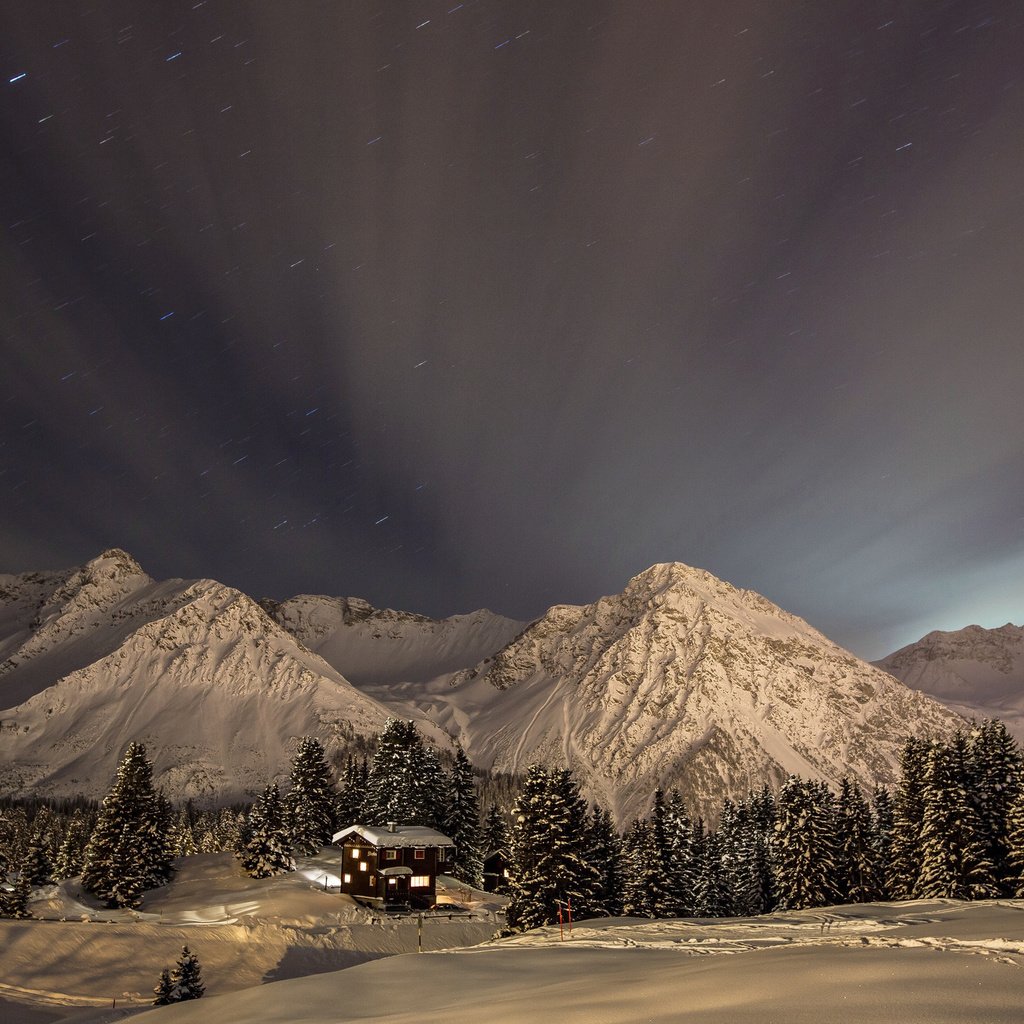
396,865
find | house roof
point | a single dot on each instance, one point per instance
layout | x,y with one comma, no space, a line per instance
403,835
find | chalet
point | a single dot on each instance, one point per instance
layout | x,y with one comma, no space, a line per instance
395,866
496,871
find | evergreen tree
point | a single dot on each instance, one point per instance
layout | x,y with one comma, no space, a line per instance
883,818
130,834
461,821
35,865
606,856
710,894
993,765
804,850
14,903
908,815
352,795
266,845
405,784
164,989
954,863
312,799
642,867
495,834
186,980
1015,842
550,868
71,852
858,847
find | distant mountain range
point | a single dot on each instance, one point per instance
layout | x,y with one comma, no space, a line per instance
681,679
978,672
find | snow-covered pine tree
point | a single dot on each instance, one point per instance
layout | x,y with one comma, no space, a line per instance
14,902
352,792
183,837
642,866
131,807
575,877
954,862
495,836
606,855
312,799
71,852
804,850
528,887
858,849
164,989
14,834
406,783
711,896
908,814
35,865
461,821
993,767
883,826
186,979
1015,842
266,847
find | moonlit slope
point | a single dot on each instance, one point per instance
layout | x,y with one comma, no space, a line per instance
921,963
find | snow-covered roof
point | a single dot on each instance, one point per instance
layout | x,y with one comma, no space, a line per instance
403,835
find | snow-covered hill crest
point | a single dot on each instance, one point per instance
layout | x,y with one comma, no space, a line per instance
976,671
196,670
681,680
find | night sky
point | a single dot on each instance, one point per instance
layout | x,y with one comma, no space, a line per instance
496,303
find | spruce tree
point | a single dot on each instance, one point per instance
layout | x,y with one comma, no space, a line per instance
186,980
1015,842
954,862
993,764
461,822
908,814
352,793
804,851
606,856
642,867
859,878
266,845
711,896
312,799
130,834
14,903
405,784
35,865
528,886
164,989
883,817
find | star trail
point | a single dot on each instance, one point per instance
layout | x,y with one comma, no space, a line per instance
495,304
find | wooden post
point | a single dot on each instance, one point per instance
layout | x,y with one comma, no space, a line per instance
561,933
569,906
419,933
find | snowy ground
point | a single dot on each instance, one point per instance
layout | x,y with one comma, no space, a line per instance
80,958
928,961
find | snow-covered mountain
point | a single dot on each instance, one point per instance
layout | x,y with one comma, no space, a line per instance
977,672
679,680
377,645
95,657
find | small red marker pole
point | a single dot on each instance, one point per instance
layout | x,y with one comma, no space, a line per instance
569,905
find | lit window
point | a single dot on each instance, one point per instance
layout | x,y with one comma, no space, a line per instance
420,881
392,881
362,865
420,854
348,879
355,852
373,881
390,854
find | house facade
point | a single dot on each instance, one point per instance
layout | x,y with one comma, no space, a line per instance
395,865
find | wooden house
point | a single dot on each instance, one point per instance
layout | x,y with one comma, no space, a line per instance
496,871
395,866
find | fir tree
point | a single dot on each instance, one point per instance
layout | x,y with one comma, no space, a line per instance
312,799
186,980
528,887
710,893
352,795
883,841
642,866
461,822
954,863
266,845
858,846
1015,842
35,865
130,834
71,852
405,784
804,850
606,856
164,989
14,903
908,814
993,764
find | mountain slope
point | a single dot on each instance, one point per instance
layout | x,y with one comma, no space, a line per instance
680,680
977,672
102,655
370,645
